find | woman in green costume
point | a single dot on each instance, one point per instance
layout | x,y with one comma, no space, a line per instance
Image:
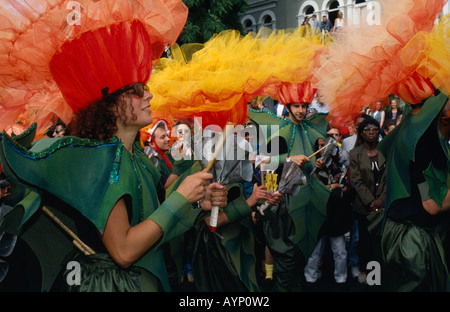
99,182
129,227
415,233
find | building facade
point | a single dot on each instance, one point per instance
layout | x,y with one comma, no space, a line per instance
288,14
285,14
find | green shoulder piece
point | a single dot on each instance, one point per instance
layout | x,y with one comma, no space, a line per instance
266,118
300,139
26,138
91,166
100,173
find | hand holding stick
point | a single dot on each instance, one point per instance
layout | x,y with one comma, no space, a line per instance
215,209
319,150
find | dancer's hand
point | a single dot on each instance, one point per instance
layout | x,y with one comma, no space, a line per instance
216,195
300,160
194,186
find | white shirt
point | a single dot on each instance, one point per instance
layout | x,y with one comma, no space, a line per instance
320,107
339,22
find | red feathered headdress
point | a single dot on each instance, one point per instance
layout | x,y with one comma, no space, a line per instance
52,64
296,93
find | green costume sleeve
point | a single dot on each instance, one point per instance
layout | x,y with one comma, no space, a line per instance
175,216
237,209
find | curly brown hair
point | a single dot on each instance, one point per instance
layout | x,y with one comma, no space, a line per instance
98,120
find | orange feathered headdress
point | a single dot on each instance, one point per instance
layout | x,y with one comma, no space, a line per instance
368,62
56,58
296,93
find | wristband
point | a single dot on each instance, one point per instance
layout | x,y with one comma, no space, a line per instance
176,207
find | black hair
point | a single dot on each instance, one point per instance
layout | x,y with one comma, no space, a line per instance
367,121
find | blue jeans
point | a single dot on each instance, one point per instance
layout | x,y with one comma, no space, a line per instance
353,258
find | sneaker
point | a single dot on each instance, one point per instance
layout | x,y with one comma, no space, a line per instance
355,272
347,237
362,278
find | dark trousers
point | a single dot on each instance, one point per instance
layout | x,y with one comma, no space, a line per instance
368,245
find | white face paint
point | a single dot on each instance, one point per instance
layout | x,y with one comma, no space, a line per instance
183,132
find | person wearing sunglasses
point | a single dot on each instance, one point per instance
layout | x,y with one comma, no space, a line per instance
98,181
368,175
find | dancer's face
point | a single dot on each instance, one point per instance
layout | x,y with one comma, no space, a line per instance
137,109
298,111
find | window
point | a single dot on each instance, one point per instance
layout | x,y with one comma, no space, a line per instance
309,10
267,20
248,24
333,10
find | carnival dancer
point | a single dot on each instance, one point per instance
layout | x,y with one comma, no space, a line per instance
224,98
418,200
292,233
108,191
223,259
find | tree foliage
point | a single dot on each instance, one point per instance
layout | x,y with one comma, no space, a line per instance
209,17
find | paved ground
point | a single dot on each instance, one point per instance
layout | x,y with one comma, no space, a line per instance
325,284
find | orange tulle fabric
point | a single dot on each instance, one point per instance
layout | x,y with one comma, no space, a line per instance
216,80
56,59
429,53
364,63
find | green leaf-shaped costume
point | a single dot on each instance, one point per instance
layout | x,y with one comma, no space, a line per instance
417,158
299,218
400,149
80,181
